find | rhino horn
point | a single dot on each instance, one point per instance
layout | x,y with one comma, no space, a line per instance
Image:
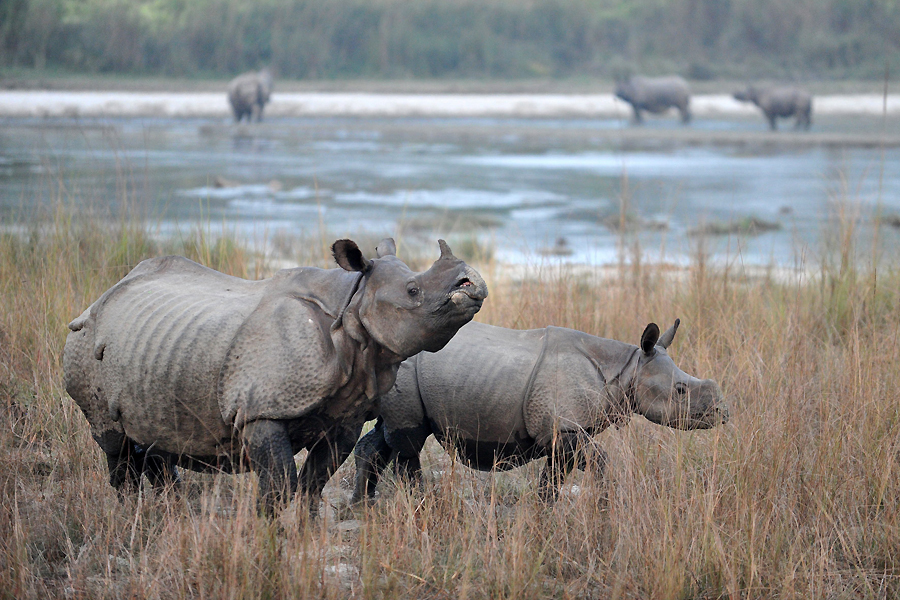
446,252
649,337
386,247
666,339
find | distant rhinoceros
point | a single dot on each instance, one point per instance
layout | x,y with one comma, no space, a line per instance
248,94
655,95
780,102
503,397
178,364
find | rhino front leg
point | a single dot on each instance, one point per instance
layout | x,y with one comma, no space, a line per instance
272,459
323,460
562,457
372,456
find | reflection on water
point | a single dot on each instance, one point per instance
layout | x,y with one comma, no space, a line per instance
524,184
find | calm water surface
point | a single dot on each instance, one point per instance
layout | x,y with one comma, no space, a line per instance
522,185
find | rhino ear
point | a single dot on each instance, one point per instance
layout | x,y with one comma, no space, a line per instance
666,339
386,247
649,337
348,255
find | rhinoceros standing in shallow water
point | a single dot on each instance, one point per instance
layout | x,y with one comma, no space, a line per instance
780,102
504,397
178,364
248,94
655,95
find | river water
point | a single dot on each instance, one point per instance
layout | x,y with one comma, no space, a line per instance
533,189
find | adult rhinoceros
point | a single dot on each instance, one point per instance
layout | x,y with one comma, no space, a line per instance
180,364
780,102
503,397
655,95
248,94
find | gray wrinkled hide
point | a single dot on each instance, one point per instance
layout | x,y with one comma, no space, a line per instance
248,94
172,330
181,364
502,397
780,103
655,95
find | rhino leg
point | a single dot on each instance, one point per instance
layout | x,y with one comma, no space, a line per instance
638,117
272,459
562,457
161,471
407,444
409,467
372,456
685,111
128,462
323,460
125,467
803,120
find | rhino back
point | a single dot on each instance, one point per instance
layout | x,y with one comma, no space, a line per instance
475,386
568,391
659,93
160,340
785,101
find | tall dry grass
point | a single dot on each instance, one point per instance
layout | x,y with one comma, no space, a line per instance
795,498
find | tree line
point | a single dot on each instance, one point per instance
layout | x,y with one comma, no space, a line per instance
455,38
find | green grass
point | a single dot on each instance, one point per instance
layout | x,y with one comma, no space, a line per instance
795,498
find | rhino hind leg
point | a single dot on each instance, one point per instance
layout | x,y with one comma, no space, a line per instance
128,462
160,469
638,117
372,454
272,459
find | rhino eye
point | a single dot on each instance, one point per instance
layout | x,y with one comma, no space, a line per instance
413,291
681,389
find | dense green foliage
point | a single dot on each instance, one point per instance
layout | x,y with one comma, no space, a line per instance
454,38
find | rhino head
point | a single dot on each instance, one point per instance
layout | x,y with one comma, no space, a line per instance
747,94
407,312
665,394
625,90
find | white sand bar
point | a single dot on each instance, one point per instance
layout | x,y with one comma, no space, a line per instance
155,104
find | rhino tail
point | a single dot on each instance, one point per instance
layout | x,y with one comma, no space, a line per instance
78,324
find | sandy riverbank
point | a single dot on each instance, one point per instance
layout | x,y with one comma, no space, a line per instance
15,103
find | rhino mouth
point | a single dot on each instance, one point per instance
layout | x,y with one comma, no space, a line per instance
466,287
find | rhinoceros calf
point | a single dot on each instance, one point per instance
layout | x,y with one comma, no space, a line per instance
178,364
248,94
780,102
655,95
503,397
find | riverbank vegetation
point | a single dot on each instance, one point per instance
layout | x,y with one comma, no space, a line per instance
481,39
795,498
